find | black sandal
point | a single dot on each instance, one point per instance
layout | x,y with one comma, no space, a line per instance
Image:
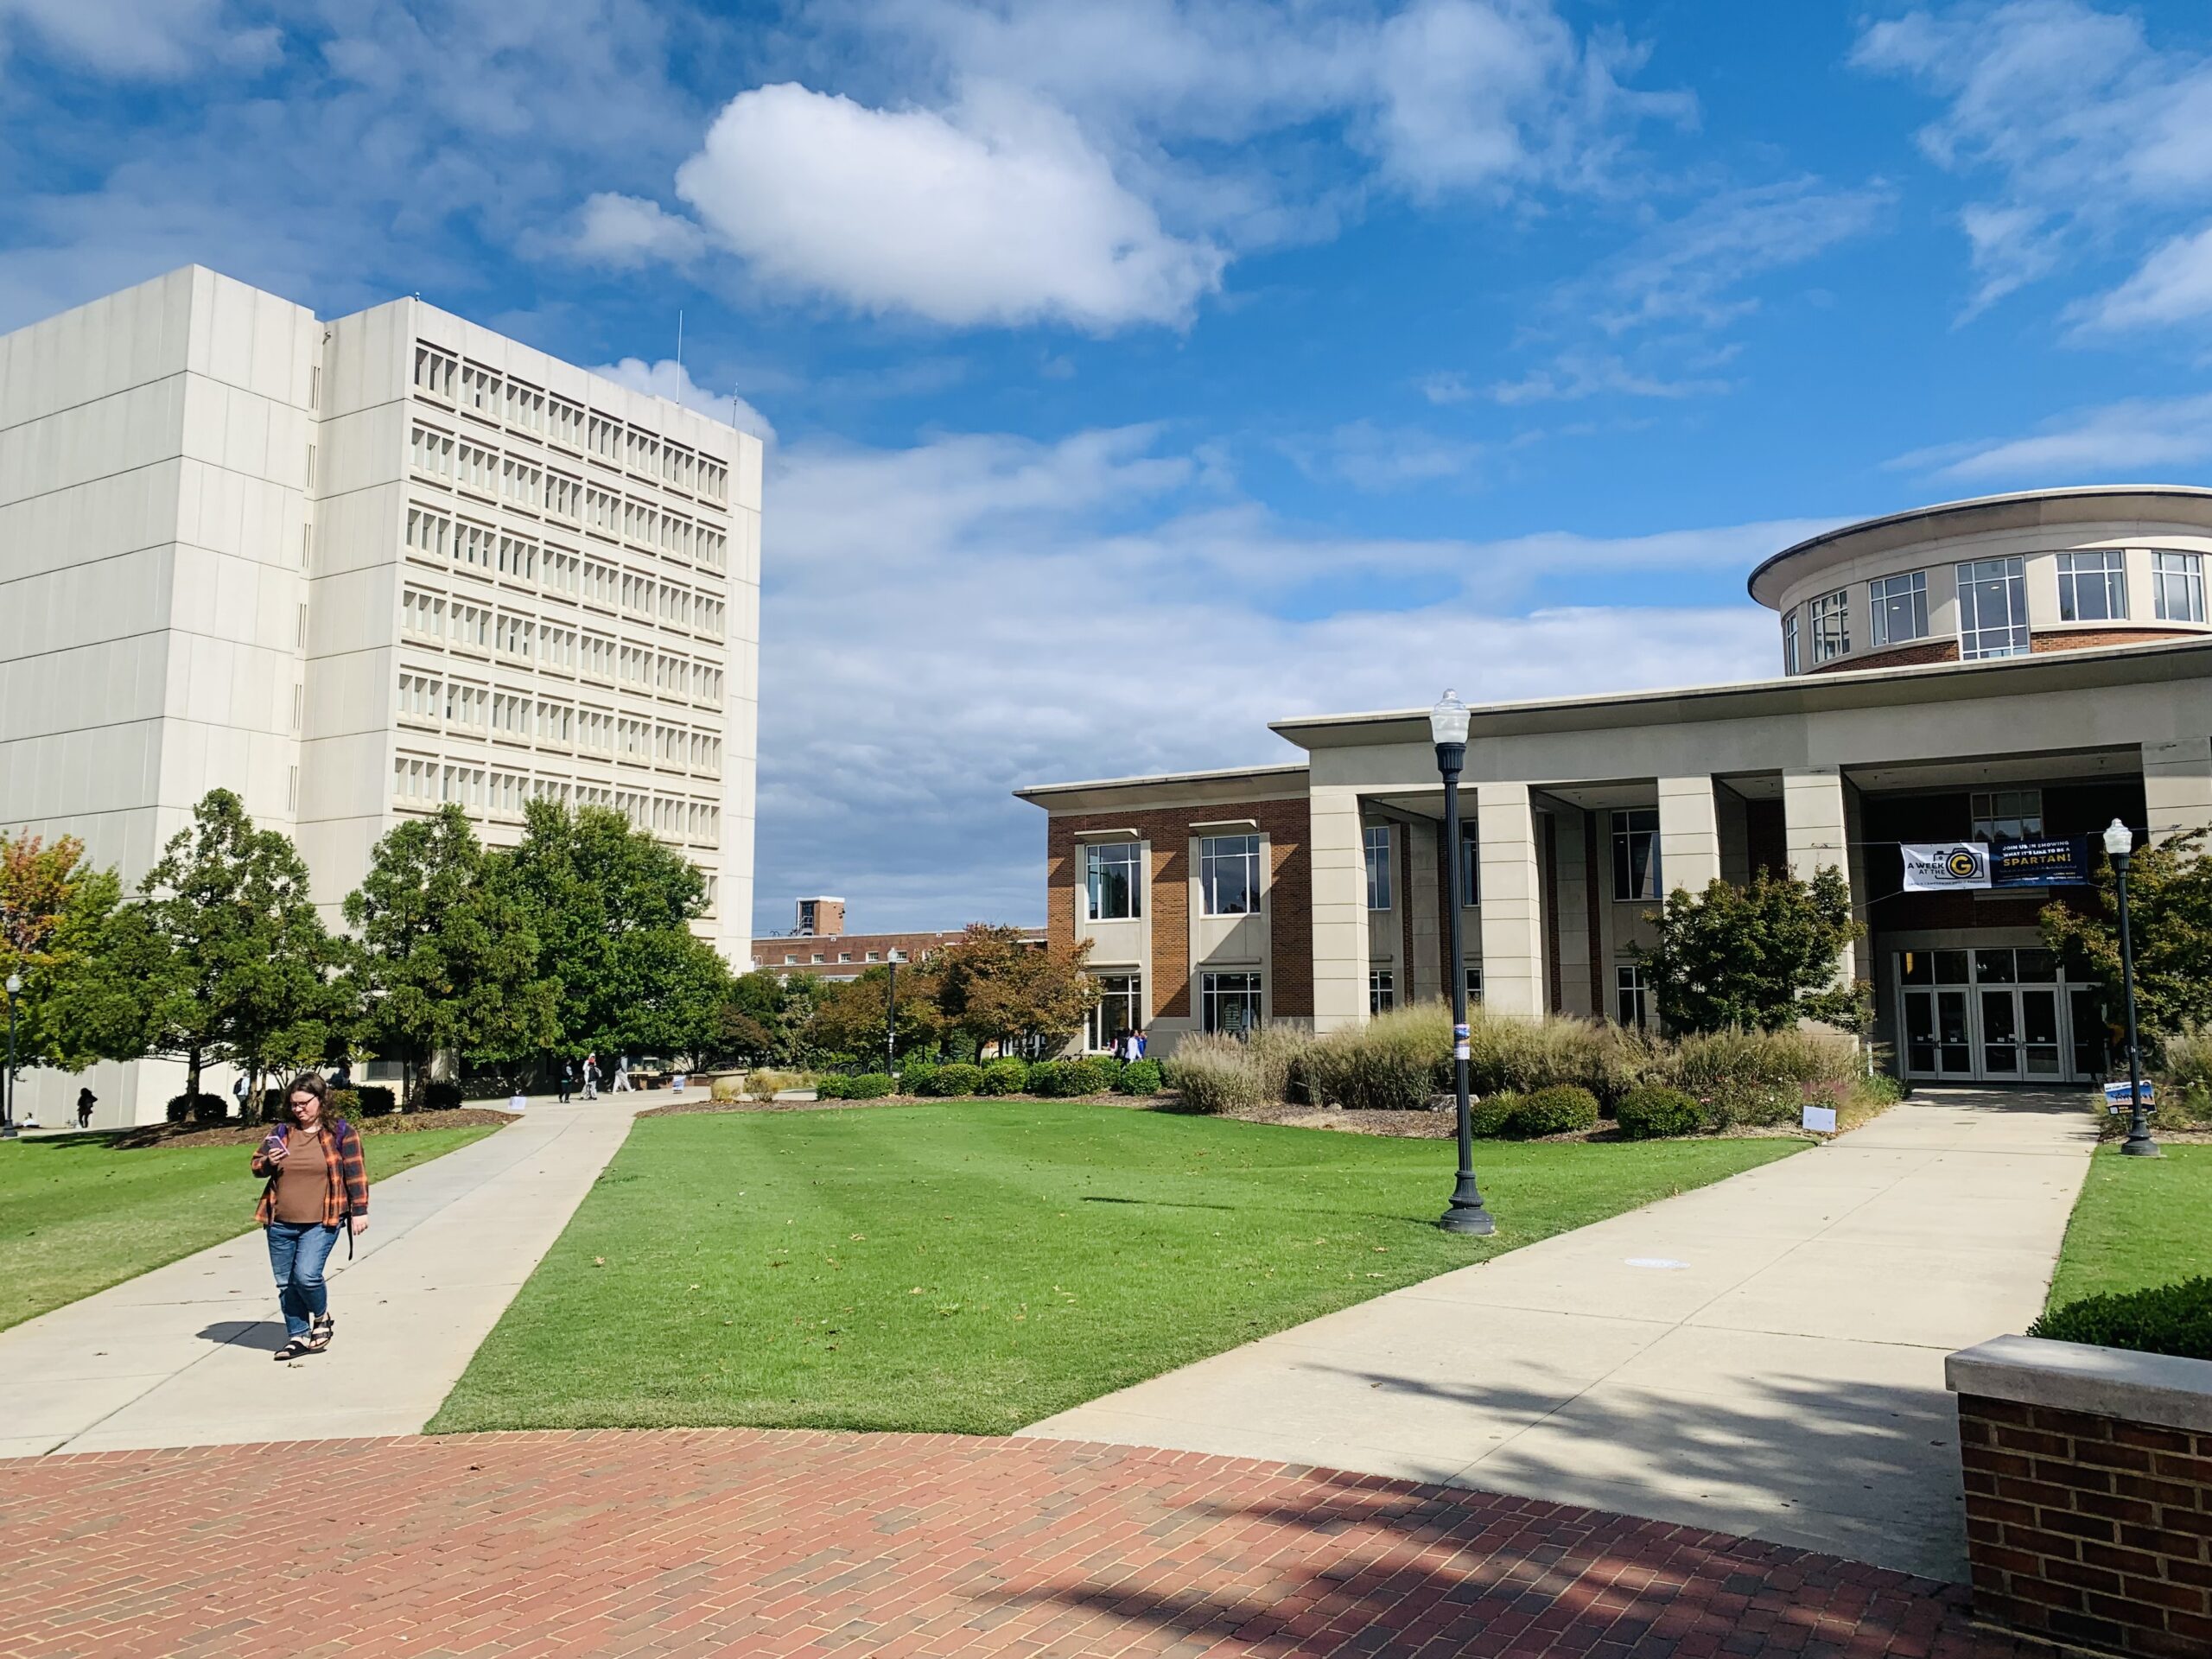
320,1331
297,1348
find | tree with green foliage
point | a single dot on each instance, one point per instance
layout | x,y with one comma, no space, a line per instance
55,909
592,889
227,953
2169,922
443,956
850,1020
998,985
670,987
1760,957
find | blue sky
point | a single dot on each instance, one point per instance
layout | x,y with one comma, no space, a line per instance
1136,374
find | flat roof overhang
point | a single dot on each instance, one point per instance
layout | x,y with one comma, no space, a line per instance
1805,694
2020,510
1278,779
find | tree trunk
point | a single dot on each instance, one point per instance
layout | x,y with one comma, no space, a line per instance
192,1074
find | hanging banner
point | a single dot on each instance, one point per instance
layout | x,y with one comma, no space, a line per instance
1945,867
2064,863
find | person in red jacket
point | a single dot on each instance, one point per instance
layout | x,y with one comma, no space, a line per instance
317,1183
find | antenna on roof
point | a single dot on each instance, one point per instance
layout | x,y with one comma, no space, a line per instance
679,352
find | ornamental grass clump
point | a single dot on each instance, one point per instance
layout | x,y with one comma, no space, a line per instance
1509,1054
1387,1065
1761,1079
2184,1080
1215,1072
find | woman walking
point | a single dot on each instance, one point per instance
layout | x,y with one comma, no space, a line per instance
317,1183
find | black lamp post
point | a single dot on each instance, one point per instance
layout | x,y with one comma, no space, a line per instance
891,1018
1447,726
7,1096
2117,843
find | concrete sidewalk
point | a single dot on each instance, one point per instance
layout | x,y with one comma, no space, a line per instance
1762,1356
182,1355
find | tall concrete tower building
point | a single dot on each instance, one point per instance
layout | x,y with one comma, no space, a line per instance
352,570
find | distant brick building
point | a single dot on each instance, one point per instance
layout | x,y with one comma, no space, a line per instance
818,943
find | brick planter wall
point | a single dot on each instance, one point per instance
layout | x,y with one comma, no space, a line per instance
2088,1494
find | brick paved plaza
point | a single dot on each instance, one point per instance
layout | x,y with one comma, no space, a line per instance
750,1542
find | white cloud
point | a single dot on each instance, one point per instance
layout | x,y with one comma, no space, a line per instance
1445,387
2174,285
1577,375
140,40
1096,606
2080,122
629,231
1377,458
671,379
2128,441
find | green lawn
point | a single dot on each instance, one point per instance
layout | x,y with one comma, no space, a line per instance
974,1265
79,1213
2139,1222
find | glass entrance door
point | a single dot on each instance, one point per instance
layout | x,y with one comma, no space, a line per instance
1989,1016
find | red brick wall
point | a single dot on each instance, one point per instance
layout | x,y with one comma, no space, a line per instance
1924,650
1287,825
2088,1529
2081,639
770,952
1947,650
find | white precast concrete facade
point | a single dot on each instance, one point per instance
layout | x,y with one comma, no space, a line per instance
350,570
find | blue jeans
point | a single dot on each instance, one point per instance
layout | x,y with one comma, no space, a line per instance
297,1250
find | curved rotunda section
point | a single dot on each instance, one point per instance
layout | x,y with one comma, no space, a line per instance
2001,576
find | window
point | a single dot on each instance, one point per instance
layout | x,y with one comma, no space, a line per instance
1381,992
1120,1008
1831,615
1112,876
1631,995
1474,985
1231,1002
1789,660
1229,874
2177,579
1378,867
1992,609
1636,853
2093,587
1899,606
1471,865
432,452
434,371
2007,815
429,533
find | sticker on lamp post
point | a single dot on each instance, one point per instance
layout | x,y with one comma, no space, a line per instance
1460,1051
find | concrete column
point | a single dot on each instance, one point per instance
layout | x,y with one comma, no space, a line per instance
2177,786
1815,830
1689,834
1339,910
1571,883
1425,973
1512,910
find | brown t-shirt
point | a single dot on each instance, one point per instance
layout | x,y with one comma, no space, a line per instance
302,1179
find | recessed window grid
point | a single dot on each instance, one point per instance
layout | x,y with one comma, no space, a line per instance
2002,814
1790,661
1830,619
1898,607
1231,1002
1382,990
1471,865
2178,579
1229,874
1376,840
1631,995
1636,853
1992,608
2093,585
1112,880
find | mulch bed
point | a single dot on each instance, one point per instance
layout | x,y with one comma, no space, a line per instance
241,1135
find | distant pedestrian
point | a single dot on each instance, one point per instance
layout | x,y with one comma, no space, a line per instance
343,1077
1138,1040
679,1083
318,1184
622,1084
86,1099
591,1077
237,1093
568,1079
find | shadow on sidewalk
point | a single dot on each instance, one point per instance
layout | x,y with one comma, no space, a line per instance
268,1335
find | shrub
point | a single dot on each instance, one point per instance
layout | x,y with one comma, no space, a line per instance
1094,1074
1563,1108
2184,1080
1387,1065
869,1085
2166,1319
1491,1116
1214,1072
766,1083
953,1081
1138,1077
339,1102
374,1100
1654,1112
1009,1075
440,1096
831,1086
1762,1079
729,1088
914,1076
198,1108
1051,1078
1508,1054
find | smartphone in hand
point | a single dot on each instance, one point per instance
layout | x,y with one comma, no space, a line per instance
272,1145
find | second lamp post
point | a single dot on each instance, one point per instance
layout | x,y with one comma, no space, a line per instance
1447,725
2118,841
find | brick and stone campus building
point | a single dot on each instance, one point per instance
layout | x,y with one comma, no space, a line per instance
352,570
819,945
2018,667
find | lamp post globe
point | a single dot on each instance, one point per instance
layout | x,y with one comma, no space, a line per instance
1447,727
8,1082
2120,840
